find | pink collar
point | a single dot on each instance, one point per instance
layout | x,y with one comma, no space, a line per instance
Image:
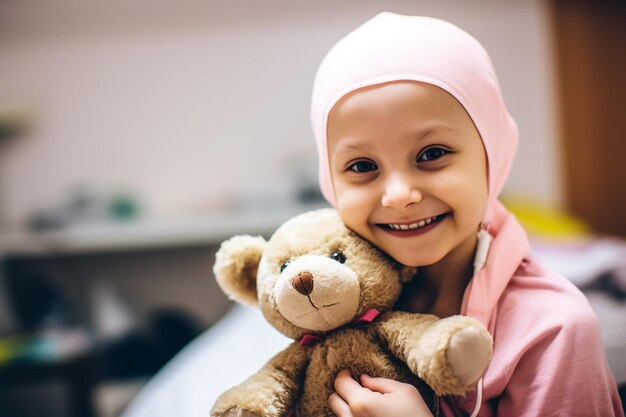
369,316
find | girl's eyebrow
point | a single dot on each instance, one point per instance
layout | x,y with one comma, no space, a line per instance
432,129
349,148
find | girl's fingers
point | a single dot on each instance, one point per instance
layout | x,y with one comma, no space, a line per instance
381,385
346,386
339,406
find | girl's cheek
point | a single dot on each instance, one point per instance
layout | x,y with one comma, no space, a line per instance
458,180
350,194
446,181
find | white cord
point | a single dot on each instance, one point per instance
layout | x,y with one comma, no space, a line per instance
479,398
482,248
480,259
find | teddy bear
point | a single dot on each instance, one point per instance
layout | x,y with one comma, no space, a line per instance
319,283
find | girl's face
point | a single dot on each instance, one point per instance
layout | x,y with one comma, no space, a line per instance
409,171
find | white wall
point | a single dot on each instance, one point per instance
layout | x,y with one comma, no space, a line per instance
192,103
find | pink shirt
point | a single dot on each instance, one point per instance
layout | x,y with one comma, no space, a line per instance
548,357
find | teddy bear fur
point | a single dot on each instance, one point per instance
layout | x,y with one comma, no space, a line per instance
317,277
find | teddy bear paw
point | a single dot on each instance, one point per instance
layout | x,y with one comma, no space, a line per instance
237,412
469,353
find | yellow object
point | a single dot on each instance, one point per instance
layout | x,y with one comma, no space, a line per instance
12,347
545,220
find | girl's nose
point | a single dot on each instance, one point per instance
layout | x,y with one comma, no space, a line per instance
400,192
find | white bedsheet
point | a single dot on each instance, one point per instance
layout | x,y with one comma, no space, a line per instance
223,356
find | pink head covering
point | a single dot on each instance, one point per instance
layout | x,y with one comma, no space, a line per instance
392,47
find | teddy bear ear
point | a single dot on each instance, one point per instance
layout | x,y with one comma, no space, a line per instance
236,265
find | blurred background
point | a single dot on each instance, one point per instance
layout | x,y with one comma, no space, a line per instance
136,135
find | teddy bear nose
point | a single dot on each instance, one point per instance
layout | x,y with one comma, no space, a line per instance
303,283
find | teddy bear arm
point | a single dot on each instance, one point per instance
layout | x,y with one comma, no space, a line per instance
402,331
448,354
270,392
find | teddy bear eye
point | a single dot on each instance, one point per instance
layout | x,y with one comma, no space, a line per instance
338,256
285,265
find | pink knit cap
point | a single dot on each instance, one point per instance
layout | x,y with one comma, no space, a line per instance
393,47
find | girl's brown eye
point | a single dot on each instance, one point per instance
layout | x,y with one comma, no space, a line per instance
338,256
432,154
363,166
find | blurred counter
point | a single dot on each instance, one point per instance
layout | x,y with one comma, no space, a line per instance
145,234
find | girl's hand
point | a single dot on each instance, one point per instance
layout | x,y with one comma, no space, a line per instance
375,397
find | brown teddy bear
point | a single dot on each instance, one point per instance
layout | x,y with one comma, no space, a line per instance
318,282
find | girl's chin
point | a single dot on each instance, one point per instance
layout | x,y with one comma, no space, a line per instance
407,256
412,260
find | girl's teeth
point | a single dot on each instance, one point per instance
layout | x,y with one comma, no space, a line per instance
412,226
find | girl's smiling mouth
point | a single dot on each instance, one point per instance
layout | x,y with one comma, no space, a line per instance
412,229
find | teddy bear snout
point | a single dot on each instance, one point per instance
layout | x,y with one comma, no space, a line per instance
303,282
316,292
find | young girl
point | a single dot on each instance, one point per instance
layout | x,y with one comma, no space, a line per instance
415,144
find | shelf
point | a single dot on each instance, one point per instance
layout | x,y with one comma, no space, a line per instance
148,234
